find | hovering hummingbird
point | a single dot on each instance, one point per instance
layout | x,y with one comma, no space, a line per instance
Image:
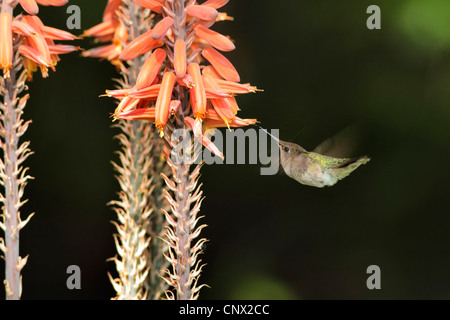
312,168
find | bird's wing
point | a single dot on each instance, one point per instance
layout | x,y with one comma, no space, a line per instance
341,144
328,162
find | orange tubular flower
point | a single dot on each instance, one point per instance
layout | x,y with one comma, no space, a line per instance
202,12
222,106
215,39
154,5
30,6
161,28
180,58
140,45
216,94
127,104
216,4
212,72
55,3
163,101
104,29
150,69
61,48
237,88
110,10
139,114
197,92
119,94
213,120
34,55
222,65
146,93
56,34
6,44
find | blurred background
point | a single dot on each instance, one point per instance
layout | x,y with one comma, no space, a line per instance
270,237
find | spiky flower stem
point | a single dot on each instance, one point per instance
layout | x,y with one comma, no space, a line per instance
140,222
183,231
186,197
13,176
155,283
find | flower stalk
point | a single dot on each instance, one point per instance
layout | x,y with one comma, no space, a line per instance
185,202
140,222
184,84
13,176
25,44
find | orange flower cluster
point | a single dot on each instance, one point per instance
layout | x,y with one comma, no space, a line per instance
109,30
186,54
38,47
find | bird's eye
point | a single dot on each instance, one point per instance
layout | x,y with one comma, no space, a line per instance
286,149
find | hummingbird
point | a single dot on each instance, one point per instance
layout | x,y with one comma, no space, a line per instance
313,168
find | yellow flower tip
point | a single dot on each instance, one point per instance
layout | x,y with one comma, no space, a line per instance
83,35
114,116
44,71
6,73
160,130
106,94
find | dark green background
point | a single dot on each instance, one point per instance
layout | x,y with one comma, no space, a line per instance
270,237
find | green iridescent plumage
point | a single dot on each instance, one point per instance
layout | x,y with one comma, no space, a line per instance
329,162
